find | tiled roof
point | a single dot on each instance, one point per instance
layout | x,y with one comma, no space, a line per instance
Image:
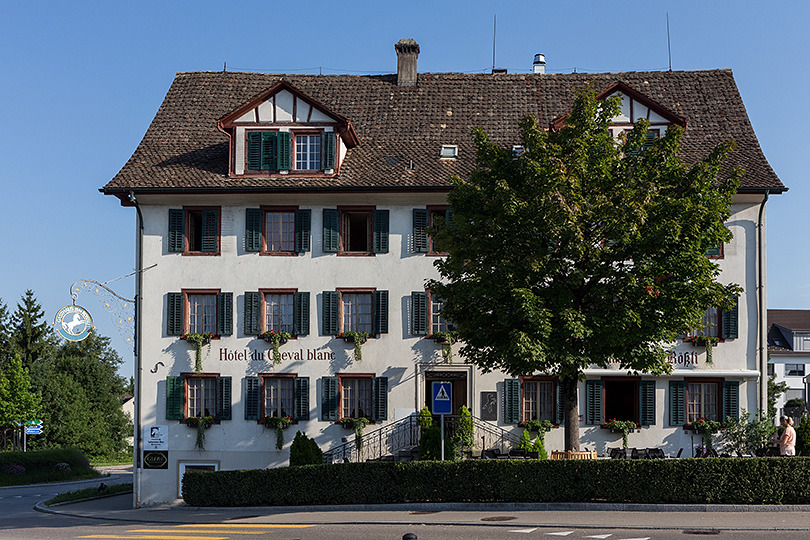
183,150
781,322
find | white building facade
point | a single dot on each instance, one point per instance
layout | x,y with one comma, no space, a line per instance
299,204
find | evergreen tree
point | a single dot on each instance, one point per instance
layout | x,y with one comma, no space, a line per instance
17,402
581,251
32,338
5,334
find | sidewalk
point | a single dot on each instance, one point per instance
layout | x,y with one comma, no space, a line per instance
558,515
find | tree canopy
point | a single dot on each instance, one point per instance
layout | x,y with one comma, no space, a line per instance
582,250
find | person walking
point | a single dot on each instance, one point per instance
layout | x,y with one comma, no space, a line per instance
787,442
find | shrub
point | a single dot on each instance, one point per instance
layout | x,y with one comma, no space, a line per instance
803,435
540,448
675,481
525,441
51,465
305,451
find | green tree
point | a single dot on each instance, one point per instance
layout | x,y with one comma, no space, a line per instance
581,252
5,333
82,392
775,390
17,402
32,338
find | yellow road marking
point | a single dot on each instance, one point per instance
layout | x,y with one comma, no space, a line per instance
152,537
247,526
175,531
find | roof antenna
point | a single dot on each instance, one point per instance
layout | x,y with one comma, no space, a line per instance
494,27
669,48
224,67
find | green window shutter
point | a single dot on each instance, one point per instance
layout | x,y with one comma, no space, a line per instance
715,251
225,314
303,228
420,223
650,139
253,229
511,401
419,313
329,398
253,388
253,313
327,150
269,142
448,216
223,398
174,314
380,240
560,417
646,396
301,407
174,398
593,402
730,323
301,314
331,305
379,392
380,321
731,400
283,151
177,230
210,237
254,150
677,403
331,229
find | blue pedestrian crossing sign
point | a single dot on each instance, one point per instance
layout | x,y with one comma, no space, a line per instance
442,398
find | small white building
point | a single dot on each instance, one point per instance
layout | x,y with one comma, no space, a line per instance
299,203
789,351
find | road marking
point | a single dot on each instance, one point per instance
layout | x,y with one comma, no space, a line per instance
560,533
524,530
200,530
152,537
246,526
599,536
644,538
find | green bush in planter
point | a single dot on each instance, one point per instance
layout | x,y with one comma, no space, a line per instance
305,451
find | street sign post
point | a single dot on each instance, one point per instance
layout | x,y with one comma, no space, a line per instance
442,404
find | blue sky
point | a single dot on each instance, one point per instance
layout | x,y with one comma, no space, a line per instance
81,82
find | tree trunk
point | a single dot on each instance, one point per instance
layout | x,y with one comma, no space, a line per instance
571,413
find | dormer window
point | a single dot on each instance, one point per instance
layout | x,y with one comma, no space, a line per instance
308,152
449,151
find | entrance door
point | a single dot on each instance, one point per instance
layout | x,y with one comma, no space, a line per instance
458,383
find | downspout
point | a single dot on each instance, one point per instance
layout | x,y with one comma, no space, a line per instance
762,313
137,350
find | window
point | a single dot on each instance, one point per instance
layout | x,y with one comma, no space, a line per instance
283,310
354,396
277,230
538,400
771,370
449,151
437,321
308,152
424,218
712,399
198,394
194,231
426,316
277,394
199,311
718,323
357,310
622,398
355,230
794,370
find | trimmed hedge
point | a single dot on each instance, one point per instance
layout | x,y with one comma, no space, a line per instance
51,465
676,481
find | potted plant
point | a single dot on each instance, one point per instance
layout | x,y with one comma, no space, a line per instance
277,338
279,423
357,424
625,427
706,428
198,340
358,338
446,339
709,342
538,425
201,423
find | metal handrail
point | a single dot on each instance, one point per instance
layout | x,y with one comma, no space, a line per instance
401,440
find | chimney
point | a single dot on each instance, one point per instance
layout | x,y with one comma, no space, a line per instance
539,63
407,53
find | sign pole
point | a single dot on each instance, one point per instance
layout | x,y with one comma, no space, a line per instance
442,443
25,440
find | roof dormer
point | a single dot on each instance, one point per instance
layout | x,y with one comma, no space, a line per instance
282,131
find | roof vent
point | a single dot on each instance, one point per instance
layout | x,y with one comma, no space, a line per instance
499,71
539,64
407,53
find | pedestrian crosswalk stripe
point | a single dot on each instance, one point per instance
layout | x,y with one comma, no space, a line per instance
599,536
560,533
527,531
